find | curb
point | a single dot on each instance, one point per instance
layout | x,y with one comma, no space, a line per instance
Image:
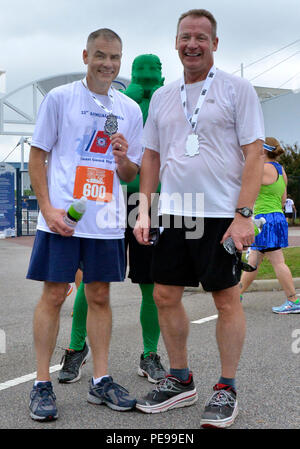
256,286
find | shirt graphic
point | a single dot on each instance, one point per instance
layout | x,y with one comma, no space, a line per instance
100,143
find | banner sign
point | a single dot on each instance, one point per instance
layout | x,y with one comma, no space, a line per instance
7,200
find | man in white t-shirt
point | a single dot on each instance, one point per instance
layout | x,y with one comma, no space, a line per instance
90,135
203,140
289,209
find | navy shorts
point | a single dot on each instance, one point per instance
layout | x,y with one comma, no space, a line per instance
178,260
56,259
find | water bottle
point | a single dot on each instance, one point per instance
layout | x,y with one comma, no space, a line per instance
258,224
75,212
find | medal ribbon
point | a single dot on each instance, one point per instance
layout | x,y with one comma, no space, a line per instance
194,118
97,101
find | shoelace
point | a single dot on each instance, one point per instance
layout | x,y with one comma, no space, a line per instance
165,385
45,391
155,360
221,398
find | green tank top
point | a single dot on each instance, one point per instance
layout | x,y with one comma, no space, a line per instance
269,197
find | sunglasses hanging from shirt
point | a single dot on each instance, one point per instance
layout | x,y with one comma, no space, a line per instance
111,122
192,143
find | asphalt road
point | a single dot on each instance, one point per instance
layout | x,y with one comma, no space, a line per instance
268,378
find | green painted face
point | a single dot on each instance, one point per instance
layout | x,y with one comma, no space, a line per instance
146,71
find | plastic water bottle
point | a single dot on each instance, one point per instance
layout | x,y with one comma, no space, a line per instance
75,212
258,224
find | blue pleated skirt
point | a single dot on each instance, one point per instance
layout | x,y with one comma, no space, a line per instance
274,233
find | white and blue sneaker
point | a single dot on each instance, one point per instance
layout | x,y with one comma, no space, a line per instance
111,394
287,307
43,402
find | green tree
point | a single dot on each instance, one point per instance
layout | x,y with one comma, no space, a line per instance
291,163
291,160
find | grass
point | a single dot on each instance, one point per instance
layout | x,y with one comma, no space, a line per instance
295,222
292,259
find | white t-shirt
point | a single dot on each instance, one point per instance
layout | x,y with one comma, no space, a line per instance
70,127
230,117
289,205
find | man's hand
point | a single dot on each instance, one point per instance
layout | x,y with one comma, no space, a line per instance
55,222
141,230
241,231
120,147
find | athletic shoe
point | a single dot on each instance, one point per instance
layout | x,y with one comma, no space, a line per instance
72,364
169,393
287,307
151,368
221,409
109,393
70,289
42,402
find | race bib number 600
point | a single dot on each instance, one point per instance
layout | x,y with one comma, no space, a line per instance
94,183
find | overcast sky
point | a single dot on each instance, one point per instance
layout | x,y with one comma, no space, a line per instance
40,38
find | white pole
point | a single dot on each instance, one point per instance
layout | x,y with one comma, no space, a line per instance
242,70
22,164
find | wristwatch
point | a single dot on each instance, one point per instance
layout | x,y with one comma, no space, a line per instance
245,211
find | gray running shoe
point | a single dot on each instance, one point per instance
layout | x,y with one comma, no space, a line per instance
151,368
42,402
168,394
109,393
72,364
221,409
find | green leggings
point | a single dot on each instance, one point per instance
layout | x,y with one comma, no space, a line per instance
148,320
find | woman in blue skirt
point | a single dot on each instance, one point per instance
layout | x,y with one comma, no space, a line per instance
274,234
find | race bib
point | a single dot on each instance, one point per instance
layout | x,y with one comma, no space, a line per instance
94,183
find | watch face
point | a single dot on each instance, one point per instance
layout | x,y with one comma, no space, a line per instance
246,212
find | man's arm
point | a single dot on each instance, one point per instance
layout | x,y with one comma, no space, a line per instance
149,180
38,178
242,229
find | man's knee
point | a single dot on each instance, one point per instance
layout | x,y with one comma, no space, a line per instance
55,293
166,296
97,294
227,301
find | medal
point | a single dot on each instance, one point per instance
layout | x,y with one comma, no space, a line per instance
111,124
192,142
192,145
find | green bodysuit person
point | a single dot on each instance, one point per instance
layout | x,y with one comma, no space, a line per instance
145,79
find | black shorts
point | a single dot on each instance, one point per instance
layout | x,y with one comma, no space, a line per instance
139,257
269,250
288,214
182,261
